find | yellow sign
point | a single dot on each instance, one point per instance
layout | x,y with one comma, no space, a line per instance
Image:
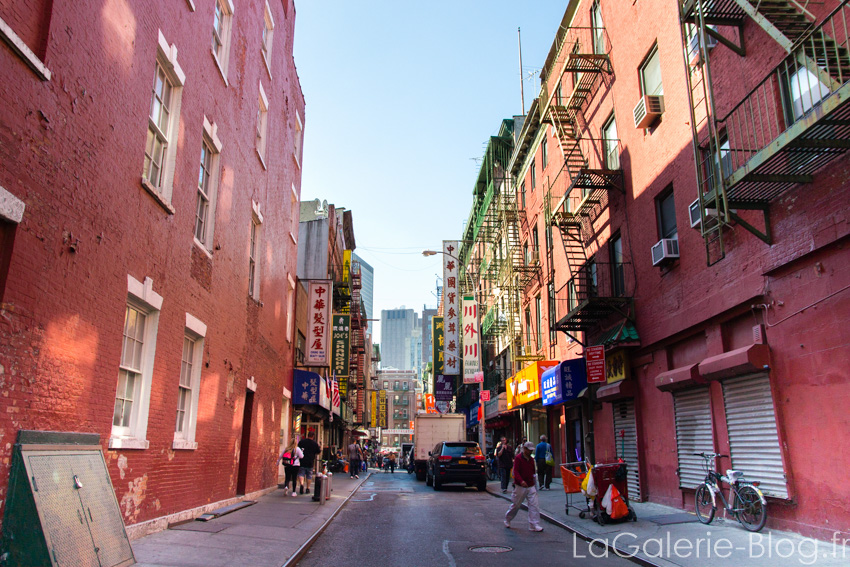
346,267
524,386
616,366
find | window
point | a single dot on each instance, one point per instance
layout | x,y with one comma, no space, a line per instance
553,333
572,298
611,145
618,271
522,193
535,239
592,283
222,26
189,386
543,152
299,138
32,43
163,121
405,385
262,124
529,330
135,368
386,384
805,90
268,36
207,185
665,210
11,214
395,387
650,75
559,96
254,253
598,29
300,348
290,307
533,174
538,304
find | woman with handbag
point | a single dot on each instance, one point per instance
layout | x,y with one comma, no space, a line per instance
291,459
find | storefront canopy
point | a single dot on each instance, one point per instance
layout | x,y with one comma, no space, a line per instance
564,382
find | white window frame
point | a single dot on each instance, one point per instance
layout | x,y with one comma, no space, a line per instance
254,248
268,38
298,142
290,307
196,332
805,91
140,296
294,214
14,41
166,60
653,59
213,146
611,143
262,125
222,35
597,29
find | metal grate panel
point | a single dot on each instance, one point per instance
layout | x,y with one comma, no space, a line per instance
693,434
626,445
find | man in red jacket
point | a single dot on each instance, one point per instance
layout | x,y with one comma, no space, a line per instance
525,486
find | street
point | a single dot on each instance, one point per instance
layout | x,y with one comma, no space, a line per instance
394,520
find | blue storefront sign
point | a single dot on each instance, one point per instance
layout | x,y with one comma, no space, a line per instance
305,387
472,416
564,382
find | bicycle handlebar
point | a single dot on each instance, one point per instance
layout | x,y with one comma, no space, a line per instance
710,455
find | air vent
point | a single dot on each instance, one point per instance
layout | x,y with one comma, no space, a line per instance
648,109
666,249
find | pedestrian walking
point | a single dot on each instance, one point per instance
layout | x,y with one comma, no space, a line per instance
505,459
522,442
525,488
355,455
311,450
543,454
392,463
291,460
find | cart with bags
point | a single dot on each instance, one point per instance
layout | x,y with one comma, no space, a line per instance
573,474
610,493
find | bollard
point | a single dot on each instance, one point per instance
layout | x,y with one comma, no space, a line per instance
317,488
329,485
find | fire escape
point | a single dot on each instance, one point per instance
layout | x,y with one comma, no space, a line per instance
781,132
579,194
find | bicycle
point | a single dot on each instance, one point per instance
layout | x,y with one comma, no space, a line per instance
746,500
492,467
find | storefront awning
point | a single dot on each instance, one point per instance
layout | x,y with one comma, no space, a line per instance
746,360
623,334
564,382
616,391
677,378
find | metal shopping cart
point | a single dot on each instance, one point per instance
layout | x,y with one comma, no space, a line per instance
604,476
573,474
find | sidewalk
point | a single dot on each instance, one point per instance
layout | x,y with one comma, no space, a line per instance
664,536
275,531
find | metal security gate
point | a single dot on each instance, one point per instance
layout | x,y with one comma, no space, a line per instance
625,438
693,434
753,440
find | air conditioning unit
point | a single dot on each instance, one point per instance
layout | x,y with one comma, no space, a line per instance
648,109
693,46
693,213
665,249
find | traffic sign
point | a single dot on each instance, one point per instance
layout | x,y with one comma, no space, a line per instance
595,357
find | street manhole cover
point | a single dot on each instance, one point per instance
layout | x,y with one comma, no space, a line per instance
490,548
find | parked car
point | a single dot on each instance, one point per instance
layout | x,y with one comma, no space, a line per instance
456,462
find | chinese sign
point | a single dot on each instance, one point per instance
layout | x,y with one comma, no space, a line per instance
382,408
438,339
524,386
595,356
451,308
444,391
616,366
340,342
373,406
485,395
346,267
307,387
318,322
471,341
564,382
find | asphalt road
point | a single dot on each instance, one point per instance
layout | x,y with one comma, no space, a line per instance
394,520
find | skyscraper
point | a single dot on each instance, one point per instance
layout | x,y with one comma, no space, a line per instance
367,281
397,338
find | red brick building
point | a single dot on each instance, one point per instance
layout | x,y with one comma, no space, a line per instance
150,166
701,235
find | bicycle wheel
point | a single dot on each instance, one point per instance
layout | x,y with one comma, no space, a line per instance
703,504
752,513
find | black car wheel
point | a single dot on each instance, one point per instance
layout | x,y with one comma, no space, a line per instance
429,480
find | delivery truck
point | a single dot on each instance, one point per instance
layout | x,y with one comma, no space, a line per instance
431,428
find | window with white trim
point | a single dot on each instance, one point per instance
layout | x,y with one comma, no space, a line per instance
163,123
254,253
262,123
650,74
29,48
207,185
222,27
611,143
135,369
188,388
299,139
268,38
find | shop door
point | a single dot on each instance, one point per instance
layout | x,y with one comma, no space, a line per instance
753,440
693,434
574,435
625,437
248,411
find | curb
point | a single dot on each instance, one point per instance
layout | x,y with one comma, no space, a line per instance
301,551
624,554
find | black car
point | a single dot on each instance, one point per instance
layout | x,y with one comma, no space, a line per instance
456,461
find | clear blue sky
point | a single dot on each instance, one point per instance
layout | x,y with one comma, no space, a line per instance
402,98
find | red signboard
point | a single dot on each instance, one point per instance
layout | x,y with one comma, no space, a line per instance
485,395
595,357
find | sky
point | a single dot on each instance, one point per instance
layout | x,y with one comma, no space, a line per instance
401,100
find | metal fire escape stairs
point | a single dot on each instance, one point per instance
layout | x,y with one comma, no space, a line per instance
761,148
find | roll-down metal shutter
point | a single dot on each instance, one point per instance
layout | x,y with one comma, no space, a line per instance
624,421
693,434
753,440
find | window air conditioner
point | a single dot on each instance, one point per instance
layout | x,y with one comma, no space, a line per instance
693,46
648,109
693,213
665,249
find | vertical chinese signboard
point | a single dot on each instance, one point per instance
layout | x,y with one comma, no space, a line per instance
451,308
373,414
318,323
471,355
382,408
437,340
340,349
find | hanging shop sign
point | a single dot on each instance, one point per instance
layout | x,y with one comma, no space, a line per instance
318,322
595,357
451,308
307,386
346,268
430,404
616,366
438,341
471,341
398,432
373,406
382,408
496,406
564,382
524,386
340,343
444,388
472,416
485,395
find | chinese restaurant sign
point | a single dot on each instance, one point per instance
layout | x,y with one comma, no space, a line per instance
318,323
373,403
437,338
341,330
382,408
471,355
451,308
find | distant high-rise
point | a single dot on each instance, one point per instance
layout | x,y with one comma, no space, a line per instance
425,320
367,281
397,338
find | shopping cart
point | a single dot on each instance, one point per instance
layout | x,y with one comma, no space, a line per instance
573,474
616,475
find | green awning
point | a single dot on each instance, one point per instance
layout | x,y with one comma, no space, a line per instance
623,332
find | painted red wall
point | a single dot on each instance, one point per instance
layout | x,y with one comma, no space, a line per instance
72,150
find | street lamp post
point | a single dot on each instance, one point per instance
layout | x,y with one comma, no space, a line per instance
481,437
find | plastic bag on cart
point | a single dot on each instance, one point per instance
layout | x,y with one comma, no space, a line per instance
606,500
588,487
619,508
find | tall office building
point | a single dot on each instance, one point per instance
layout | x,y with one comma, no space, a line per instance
397,338
367,281
427,339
